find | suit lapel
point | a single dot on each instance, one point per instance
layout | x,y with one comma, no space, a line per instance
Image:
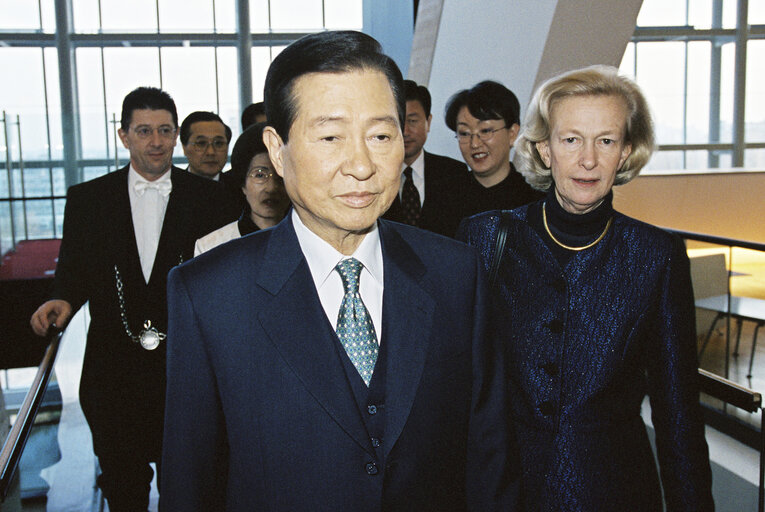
407,323
298,327
169,250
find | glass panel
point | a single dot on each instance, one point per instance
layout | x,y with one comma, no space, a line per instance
185,16
700,14
3,182
54,104
48,11
88,173
343,14
85,14
754,159
756,13
25,99
755,92
730,13
727,74
36,182
59,183
6,241
19,15
260,16
660,13
665,160
190,93
228,87
697,114
59,205
133,16
225,16
296,15
660,73
627,67
261,59
95,129
40,219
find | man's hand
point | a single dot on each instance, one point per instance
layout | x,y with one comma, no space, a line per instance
53,312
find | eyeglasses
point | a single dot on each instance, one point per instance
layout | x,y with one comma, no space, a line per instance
217,144
261,175
484,134
144,132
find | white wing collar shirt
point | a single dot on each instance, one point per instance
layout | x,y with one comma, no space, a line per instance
148,204
418,176
322,259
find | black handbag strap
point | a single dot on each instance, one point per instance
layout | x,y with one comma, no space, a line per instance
499,246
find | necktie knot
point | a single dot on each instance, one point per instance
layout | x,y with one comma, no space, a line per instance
350,271
162,186
408,173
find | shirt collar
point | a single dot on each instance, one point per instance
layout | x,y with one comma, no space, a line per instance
418,166
134,177
322,257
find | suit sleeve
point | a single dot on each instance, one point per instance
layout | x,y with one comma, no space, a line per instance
493,461
674,393
70,283
194,457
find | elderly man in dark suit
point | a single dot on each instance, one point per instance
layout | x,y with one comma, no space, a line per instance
432,192
351,368
122,234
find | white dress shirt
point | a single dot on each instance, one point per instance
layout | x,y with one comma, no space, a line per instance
322,259
148,210
418,176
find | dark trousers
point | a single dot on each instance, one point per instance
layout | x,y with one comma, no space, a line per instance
125,480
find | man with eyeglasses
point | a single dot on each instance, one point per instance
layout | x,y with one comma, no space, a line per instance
486,120
123,232
205,139
431,195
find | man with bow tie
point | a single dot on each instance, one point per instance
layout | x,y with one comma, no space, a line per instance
123,232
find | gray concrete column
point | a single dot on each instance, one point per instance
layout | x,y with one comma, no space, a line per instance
70,117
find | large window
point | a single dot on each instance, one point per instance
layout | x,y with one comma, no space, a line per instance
709,106
190,48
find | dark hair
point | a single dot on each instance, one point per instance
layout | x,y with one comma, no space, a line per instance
414,92
251,113
201,116
486,100
324,52
146,98
248,144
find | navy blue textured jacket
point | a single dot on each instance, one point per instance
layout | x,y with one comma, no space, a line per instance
585,343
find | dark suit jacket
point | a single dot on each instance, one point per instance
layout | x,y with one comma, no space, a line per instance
122,386
446,182
585,343
260,414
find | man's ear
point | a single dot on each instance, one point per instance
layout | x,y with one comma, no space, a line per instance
275,146
123,137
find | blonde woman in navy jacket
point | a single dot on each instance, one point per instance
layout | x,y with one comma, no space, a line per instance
599,313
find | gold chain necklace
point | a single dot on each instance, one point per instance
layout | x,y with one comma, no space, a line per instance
544,221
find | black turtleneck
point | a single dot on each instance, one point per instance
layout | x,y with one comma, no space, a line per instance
245,224
575,230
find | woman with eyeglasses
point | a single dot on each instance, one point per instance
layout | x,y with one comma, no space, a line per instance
266,199
599,312
486,120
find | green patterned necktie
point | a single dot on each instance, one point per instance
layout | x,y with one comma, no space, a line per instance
354,325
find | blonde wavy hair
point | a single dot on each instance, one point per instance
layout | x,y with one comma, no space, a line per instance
589,81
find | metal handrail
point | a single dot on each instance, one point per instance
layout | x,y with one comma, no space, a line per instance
718,240
17,437
743,398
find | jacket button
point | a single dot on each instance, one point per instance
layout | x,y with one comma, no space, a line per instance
555,326
371,468
550,369
375,442
547,408
372,409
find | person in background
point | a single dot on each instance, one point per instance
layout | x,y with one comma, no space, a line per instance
123,232
599,312
253,113
432,186
205,139
485,120
266,199
336,362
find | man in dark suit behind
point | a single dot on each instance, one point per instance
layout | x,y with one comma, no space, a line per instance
351,368
432,191
122,234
